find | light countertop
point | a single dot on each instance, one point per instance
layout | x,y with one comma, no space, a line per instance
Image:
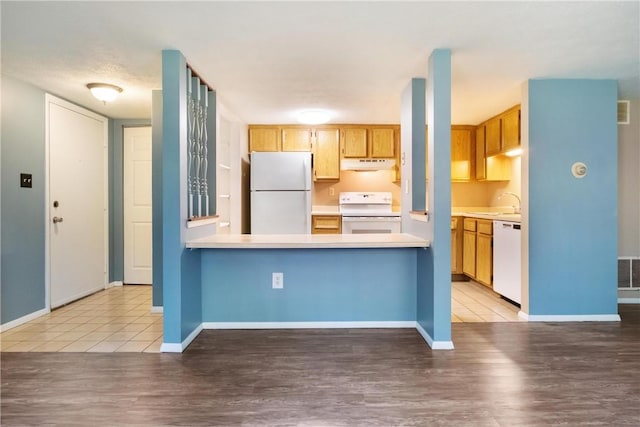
325,210
487,213
310,241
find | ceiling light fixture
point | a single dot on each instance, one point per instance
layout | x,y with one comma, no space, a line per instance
104,92
313,117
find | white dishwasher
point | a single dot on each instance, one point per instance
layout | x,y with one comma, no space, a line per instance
506,260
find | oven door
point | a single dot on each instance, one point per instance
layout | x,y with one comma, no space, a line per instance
370,224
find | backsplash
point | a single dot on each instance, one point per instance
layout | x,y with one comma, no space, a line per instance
356,181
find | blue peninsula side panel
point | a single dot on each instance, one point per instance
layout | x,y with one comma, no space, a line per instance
319,285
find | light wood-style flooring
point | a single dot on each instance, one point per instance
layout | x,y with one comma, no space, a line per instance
500,374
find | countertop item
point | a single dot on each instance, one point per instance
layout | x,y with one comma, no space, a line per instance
284,241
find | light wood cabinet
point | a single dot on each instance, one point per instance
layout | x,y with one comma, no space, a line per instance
511,129
469,248
354,142
484,253
481,172
326,224
369,142
266,138
493,136
456,245
382,143
326,160
477,249
461,152
294,139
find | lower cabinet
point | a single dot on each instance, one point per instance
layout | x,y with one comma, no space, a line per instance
477,258
484,253
326,224
469,248
456,245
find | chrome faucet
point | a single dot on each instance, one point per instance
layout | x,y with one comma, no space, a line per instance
516,209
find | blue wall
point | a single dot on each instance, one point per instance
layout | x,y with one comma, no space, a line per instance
319,285
116,196
572,222
23,210
180,267
434,274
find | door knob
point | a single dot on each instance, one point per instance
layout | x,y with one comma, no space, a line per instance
57,219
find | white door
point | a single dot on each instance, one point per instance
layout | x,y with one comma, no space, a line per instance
77,201
137,206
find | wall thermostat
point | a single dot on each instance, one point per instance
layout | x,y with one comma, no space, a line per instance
579,170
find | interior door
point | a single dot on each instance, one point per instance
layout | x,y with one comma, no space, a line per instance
137,206
77,201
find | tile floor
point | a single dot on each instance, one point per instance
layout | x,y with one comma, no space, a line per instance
473,302
117,319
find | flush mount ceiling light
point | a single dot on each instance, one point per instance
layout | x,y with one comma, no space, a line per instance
313,117
104,92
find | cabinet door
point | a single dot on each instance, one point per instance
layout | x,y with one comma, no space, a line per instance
296,139
355,142
493,137
326,224
454,251
480,155
326,161
511,130
382,143
469,254
460,155
484,259
264,139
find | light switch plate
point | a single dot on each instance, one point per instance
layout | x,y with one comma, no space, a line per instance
277,280
26,180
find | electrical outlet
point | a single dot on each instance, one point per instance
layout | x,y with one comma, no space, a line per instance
277,280
332,191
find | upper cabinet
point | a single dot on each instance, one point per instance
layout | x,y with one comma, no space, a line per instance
481,172
383,143
374,142
462,148
354,142
264,138
493,136
511,129
295,139
502,132
326,155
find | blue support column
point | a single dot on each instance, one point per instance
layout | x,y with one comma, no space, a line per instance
180,267
434,264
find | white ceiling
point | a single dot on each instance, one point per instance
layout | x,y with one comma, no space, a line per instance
269,59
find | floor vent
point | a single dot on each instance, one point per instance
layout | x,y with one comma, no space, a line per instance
623,112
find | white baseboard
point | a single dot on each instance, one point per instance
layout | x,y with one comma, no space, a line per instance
569,317
629,300
179,348
24,319
157,309
435,345
308,325
115,283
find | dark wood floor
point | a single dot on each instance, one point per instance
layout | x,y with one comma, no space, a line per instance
500,374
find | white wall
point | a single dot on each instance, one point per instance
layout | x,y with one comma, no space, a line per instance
629,184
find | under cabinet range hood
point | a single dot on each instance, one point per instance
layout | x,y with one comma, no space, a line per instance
366,164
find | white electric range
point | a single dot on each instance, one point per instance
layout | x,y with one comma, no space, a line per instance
368,213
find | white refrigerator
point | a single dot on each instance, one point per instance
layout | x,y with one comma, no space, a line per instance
281,192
